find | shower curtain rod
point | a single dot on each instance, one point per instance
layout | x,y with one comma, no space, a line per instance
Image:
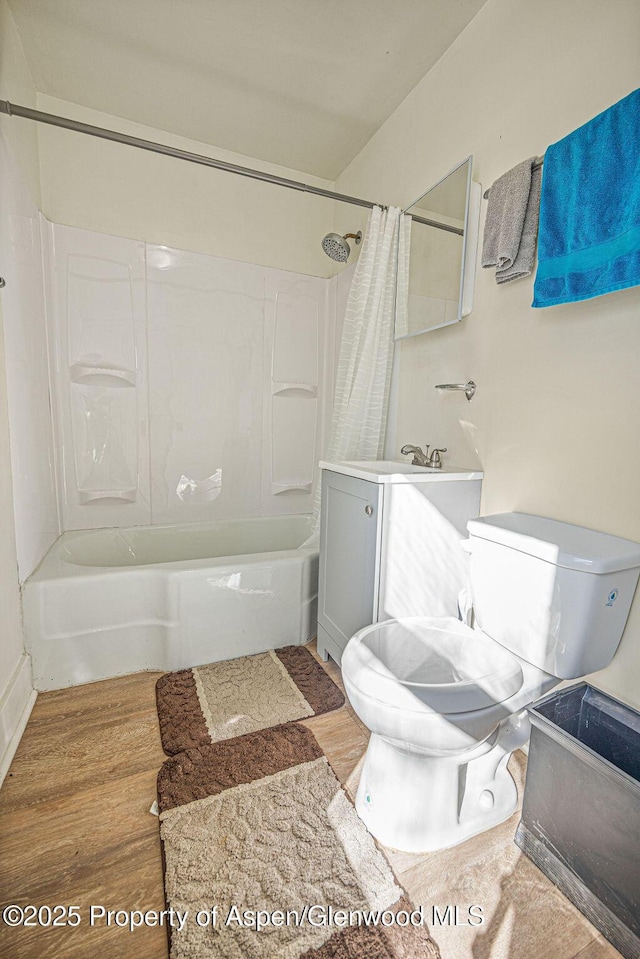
13,109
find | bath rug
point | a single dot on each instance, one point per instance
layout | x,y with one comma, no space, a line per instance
223,700
257,831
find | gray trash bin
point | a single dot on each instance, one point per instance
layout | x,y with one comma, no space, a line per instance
581,812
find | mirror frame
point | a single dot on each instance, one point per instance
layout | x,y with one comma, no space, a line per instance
469,249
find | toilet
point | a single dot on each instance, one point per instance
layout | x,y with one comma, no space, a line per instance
445,700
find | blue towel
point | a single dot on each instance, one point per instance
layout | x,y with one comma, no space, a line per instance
589,239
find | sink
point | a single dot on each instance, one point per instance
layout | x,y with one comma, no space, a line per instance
399,471
391,466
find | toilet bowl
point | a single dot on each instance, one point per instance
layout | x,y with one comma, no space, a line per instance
445,702
445,706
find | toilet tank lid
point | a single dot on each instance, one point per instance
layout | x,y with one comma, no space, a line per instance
562,544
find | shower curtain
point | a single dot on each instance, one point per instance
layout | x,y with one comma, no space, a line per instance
366,351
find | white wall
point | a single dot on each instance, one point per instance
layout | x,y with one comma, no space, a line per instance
110,188
18,243
556,422
16,85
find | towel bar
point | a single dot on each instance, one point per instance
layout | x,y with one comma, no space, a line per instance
538,162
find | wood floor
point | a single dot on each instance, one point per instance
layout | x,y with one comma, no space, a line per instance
75,829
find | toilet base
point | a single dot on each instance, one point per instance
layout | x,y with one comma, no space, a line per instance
415,802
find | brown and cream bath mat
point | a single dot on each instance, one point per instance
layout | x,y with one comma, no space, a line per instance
266,858
209,703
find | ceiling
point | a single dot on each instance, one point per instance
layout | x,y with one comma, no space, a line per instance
301,83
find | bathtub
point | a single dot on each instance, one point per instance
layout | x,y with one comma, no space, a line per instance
109,602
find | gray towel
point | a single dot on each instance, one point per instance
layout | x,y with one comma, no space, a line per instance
511,225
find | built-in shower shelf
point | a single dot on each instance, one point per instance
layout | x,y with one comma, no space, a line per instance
102,376
309,390
303,487
86,497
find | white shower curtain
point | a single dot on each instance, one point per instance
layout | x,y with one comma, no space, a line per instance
366,351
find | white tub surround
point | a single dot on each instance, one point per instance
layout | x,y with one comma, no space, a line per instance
109,602
179,380
26,367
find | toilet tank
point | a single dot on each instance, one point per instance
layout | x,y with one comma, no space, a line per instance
556,595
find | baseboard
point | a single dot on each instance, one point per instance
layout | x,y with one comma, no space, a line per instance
16,704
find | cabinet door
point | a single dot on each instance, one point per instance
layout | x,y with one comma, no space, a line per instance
349,555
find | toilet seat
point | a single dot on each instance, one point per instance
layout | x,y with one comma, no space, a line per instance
431,665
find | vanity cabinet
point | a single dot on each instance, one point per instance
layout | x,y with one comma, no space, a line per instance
390,546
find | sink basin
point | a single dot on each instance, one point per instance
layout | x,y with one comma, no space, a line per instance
399,471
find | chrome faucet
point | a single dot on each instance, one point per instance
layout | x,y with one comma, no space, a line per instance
419,458
423,459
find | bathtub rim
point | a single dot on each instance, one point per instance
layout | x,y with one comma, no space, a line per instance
53,566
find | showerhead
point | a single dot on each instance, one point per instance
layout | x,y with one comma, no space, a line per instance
336,246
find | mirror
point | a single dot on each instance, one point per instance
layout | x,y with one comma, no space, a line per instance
437,249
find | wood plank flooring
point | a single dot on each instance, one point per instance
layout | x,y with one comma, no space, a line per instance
75,829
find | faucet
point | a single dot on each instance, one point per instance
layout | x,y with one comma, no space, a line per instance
423,459
419,458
